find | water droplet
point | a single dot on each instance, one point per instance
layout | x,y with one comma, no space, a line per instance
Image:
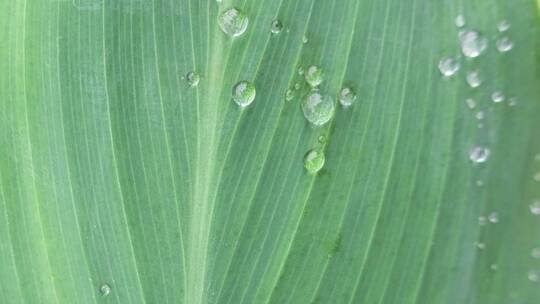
537,157
480,245
347,96
480,115
318,108
493,267
297,86
244,93
300,71
305,39
473,79
504,44
493,218
503,26
193,79
314,160
105,290
535,207
479,183
233,22
460,21
533,276
512,101
322,139
276,27
535,253
471,103
289,95
497,96
482,220
448,66
473,44
536,176
314,76
479,154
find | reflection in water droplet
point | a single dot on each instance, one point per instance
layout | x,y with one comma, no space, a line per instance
503,26
244,93
318,109
473,79
314,76
504,44
448,66
473,44
276,27
314,160
233,22
460,21
535,207
193,79
479,154
347,96
105,290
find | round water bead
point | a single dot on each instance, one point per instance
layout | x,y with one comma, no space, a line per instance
472,43
314,76
105,290
479,154
193,79
347,96
314,160
233,22
318,108
276,27
244,93
448,66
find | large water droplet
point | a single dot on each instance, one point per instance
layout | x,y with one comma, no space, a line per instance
314,76
497,96
233,22
243,93
473,79
347,96
503,26
535,207
479,154
473,44
193,79
504,44
460,21
276,27
318,108
448,66
314,160
105,290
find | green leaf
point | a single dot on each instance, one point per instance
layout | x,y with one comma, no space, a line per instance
121,181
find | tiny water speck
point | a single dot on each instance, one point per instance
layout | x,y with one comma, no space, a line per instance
318,108
535,207
460,21
535,253
479,154
300,71
503,26
289,95
193,79
244,93
472,43
448,66
480,245
497,96
479,183
493,218
297,86
314,160
347,96
480,115
276,27
533,276
233,22
105,290
493,267
513,101
322,139
305,39
473,79
314,76
504,44
482,220
536,176
471,103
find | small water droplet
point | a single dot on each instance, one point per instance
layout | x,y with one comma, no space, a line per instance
473,79
471,103
480,115
105,290
497,96
479,154
322,139
480,245
504,44
480,183
536,176
314,160
493,267
297,86
532,276
448,66
318,108
300,71
233,22
276,27
193,79
244,93
460,21
535,253
289,95
314,76
347,96
482,220
512,101
503,26
472,43
493,217
537,157
305,39
535,207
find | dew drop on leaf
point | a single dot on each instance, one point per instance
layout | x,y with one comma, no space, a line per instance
193,79
105,290
503,26
276,27
535,207
300,71
460,21
504,44
289,95
493,218
314,160
347,96
244,93
482,220
322,139
472,43
473,79
535,253
497,96
314,76
448,66
533,276
233,22
471,103
305,39
479,154
318,108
